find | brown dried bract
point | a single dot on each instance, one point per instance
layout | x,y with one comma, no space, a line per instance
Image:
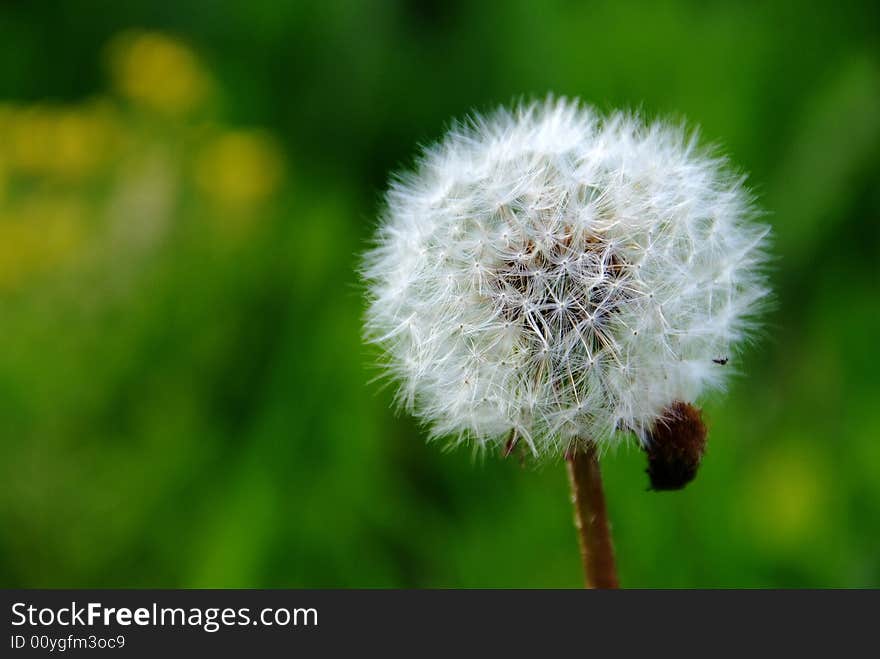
675,447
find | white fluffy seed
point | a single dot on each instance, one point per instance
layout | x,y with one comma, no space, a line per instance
562,276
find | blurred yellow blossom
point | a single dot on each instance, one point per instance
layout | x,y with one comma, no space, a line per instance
28,139
239,169
786,499
38,235
69,142
93,169
157,71
84,139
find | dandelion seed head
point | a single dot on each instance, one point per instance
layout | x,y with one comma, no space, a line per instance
556,275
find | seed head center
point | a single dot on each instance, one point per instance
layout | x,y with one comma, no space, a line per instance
564,291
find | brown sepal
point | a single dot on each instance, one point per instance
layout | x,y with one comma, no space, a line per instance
675,447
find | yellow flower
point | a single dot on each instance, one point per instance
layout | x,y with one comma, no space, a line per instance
29,139
157,71
69,142
84,138
786,497
239,169
37,236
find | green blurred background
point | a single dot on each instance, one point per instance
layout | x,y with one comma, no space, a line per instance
185,399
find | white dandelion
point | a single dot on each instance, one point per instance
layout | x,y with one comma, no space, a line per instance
557,276
567,279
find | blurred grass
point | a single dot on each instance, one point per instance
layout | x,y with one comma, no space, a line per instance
184,394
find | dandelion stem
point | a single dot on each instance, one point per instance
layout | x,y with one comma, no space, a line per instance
591,518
